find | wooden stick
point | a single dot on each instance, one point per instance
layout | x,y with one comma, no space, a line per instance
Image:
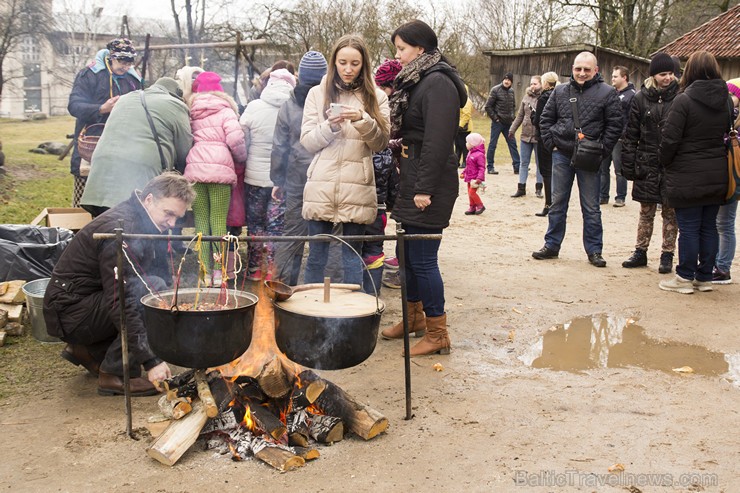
204,392
327,289
179,436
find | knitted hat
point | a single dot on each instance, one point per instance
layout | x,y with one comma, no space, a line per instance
509,76
122,49
733,85
661,62
387,72
475,139
207,81
312,68
281,75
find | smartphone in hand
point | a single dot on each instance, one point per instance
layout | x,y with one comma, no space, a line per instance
336,109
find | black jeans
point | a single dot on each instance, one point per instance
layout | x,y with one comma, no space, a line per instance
545,163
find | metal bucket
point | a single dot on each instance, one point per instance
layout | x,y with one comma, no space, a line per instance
34,292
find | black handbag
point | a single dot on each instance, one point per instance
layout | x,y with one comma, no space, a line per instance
587,153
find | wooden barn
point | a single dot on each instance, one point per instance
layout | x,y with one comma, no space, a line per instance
719,36
526,62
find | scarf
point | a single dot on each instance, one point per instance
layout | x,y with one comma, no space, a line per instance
343,86
405,81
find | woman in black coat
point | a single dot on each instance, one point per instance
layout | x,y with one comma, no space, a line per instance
544,156
425,111
694,157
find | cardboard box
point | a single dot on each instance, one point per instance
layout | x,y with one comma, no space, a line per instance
63,217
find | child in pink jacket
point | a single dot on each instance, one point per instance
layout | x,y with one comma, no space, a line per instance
218,144
475,172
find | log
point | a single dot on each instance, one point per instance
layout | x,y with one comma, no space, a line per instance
180,379
174,409
179,436
306,453
189,390
325,429
297,424
14,329
204,392
281,459
3,318
224,422
305,393
265,421
361,420
13,293
273,380
15,312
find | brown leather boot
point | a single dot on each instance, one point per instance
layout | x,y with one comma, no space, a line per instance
417,324
436,340
113,385
80,356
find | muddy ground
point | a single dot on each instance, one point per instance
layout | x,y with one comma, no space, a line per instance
488,421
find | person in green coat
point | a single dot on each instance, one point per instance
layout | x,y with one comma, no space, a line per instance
127,155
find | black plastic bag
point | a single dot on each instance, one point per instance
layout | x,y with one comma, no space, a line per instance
30,252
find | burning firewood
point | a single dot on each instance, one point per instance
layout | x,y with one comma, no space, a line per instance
272,379
265,421
297,423
278,457
325,429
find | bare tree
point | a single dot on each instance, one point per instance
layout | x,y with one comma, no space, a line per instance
20,20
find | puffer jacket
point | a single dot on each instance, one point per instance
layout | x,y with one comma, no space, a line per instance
475,164
289,160
641,142
92,87
87,267
340,184
428,130
386,178
218,139
541,102
523,118
692,149
258,122
600,114
501,104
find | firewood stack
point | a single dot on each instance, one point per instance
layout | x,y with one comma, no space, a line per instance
11,309
275,416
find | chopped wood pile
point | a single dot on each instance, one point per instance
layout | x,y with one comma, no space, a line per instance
11,309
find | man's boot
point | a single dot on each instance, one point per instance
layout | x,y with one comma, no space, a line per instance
417,323
538,190
544,212
521,190
436,340
666,262
637,259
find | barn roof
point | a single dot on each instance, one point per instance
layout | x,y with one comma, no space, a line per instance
574,48
719,36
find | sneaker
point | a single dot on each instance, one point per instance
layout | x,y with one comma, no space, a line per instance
677,284
703,286
721,277
391,263
619,203
254,275
596,259
470,211
392,280
479,210
666,263
492,171
637,259
544,253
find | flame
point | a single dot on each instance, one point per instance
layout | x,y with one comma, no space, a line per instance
248,422
314,409
234,454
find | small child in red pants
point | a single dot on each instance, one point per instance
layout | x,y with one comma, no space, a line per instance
475,172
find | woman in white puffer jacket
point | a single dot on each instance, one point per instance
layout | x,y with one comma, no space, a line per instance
264,215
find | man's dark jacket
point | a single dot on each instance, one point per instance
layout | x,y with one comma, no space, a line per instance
641,143
600,115
87,267
501,104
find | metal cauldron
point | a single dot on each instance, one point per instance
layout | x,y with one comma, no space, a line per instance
199,339
332,335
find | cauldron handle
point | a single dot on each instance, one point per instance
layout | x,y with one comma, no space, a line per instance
362,262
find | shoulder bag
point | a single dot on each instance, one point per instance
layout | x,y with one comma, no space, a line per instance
733,162
587,153
165,166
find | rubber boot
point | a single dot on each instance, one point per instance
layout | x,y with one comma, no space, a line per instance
417,323
521,190
538,190
436,340
544,212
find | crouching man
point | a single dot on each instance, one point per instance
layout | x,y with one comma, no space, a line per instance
81,301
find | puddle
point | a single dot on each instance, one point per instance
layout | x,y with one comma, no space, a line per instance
607,341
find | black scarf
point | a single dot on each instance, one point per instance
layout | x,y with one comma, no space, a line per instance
343,86
405,81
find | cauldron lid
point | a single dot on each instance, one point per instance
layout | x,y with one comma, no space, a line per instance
342,304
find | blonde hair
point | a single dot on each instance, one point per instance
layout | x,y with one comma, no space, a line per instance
367,84
549,78
185,77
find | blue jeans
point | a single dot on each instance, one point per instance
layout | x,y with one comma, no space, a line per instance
698,241
616,158
726,230
563,175
527,150
318,253
423,279
498,128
